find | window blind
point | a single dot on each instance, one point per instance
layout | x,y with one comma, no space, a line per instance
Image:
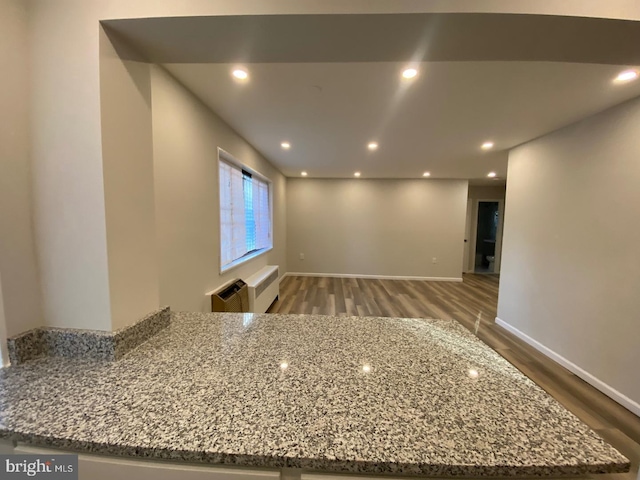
262,214
245,214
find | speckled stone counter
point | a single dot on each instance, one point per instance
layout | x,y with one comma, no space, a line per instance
97,344
360,395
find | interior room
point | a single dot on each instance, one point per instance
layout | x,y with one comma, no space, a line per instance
302,240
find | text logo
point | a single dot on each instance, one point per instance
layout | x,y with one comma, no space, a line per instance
54,467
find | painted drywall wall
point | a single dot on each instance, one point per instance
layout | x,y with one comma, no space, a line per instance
570,276
127,165
481,192
186,135
4,355
376,227
18,265
66,149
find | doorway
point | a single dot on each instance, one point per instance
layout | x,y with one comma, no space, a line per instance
488,222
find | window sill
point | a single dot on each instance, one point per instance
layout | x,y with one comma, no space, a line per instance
242,260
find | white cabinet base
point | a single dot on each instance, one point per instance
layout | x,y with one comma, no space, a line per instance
6,447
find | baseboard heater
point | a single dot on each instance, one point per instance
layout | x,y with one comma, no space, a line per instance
263,288
231,298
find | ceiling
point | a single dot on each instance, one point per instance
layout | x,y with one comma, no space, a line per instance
436,122
326,38
330,84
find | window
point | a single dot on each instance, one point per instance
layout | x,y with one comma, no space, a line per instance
245,213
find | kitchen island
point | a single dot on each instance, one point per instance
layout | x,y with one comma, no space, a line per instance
316,393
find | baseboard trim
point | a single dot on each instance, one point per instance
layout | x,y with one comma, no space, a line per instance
377,277
609,391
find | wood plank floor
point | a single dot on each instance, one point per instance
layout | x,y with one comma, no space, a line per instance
474,304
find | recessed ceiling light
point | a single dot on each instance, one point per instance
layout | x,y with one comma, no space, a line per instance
240,73
372,146
426,174
366,368
491,174
304,174
357,174
626,76
409,73
473,373
285,145
284,365
487,145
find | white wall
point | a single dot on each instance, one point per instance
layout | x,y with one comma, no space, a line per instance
22,299
482,192
186,135
4,355
571,262
127,165
69,210
376,227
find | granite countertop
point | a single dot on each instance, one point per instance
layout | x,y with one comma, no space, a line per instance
336,394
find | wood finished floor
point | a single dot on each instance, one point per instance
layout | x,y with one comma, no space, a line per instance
475,298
